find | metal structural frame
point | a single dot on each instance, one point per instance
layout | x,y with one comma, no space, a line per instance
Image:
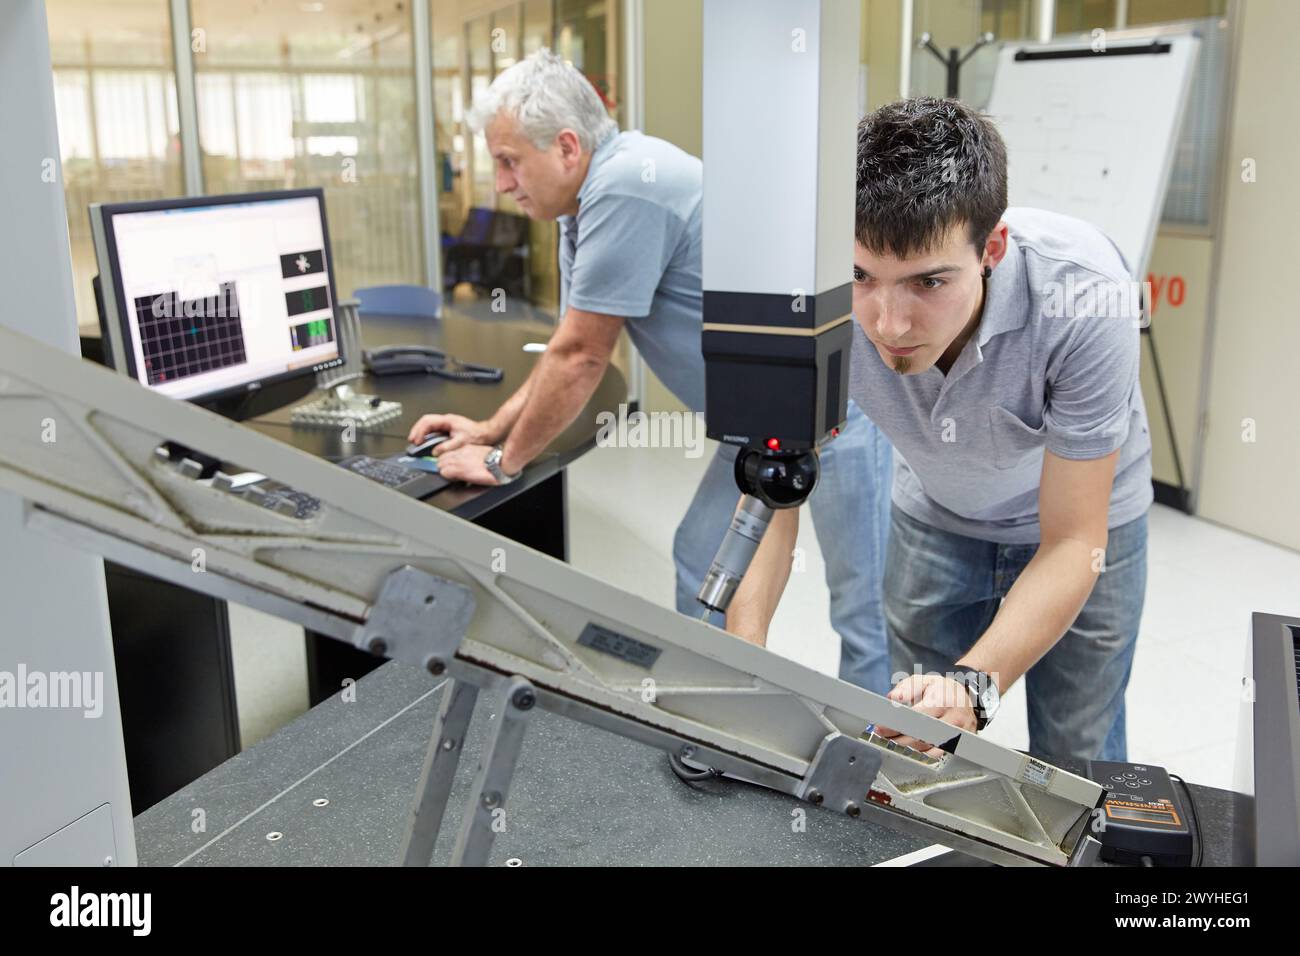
390,574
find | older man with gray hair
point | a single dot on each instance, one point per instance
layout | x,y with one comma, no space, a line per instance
629,208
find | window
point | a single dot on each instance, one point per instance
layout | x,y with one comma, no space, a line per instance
469,50
119,134
294,95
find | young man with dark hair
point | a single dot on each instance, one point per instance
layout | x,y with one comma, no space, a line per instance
997,349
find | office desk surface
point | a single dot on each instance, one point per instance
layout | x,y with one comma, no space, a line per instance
496,342
580,796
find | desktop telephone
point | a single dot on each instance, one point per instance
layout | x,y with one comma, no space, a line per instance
404,359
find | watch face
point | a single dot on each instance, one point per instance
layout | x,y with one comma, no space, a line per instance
493,464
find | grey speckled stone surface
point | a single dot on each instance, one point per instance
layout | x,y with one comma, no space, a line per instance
580,796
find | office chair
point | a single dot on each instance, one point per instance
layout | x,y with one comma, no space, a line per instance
415,300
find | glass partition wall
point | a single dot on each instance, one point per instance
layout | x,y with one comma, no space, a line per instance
317,93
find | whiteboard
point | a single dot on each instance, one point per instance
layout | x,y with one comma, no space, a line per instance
1092,134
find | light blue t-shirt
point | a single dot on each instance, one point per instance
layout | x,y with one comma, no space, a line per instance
1052,366
633,250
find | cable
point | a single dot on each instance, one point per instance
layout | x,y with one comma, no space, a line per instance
687,774
1196,819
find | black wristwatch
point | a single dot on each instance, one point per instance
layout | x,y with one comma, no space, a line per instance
984,695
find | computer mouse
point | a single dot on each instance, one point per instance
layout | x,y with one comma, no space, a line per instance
425,447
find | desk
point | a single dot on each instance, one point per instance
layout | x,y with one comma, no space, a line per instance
497,342
579,796
530,510
172,646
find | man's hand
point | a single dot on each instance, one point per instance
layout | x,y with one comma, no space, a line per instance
935,696
465,464
463,431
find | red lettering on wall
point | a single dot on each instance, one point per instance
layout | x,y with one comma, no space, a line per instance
1174,287
1177,291
1156,282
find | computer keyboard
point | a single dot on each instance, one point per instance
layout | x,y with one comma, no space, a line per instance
415,482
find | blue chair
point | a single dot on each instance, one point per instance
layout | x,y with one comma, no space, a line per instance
399,300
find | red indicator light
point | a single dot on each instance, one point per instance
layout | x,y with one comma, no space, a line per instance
774,444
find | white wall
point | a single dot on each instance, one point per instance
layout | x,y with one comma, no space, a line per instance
1254,383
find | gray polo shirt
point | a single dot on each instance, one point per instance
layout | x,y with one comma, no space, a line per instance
633,250
1052,365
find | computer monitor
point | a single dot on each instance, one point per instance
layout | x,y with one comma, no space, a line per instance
209,297
1266,832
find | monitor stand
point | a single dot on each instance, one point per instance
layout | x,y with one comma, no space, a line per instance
257,400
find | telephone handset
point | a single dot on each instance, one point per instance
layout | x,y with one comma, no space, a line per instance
406,359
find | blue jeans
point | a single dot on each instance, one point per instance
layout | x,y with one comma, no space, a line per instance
942,591
850,510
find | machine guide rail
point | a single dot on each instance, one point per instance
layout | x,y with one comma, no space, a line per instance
386,573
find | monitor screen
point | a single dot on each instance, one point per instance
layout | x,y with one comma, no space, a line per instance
215,294
1265,818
